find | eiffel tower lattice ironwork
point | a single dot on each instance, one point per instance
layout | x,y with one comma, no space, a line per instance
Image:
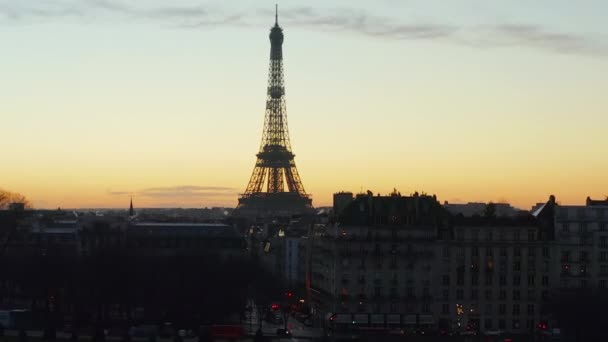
275,184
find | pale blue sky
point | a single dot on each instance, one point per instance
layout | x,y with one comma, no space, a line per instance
471,100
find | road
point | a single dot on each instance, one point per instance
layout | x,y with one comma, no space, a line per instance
298,329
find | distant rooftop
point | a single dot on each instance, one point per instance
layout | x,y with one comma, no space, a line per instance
595,203
179,224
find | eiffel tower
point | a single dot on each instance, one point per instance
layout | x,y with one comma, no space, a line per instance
275,187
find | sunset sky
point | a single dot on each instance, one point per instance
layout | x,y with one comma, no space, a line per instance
471,100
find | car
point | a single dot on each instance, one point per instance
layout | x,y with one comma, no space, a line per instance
283,332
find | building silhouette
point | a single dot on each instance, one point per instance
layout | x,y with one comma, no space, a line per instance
275,187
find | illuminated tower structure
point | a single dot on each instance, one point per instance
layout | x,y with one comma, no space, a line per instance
275,187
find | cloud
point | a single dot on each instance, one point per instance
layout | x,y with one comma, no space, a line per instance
181,191
346,20
363,23
539,37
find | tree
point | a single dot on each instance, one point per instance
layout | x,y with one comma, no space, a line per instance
8,197
490,210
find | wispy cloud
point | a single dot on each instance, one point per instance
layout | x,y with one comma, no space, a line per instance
539,37
360,22
181,191
346,20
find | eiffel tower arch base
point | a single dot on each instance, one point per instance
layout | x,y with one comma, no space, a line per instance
263,204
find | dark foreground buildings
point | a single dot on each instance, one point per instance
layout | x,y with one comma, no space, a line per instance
406,262
109,270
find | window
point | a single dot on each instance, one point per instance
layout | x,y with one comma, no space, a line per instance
530,324
502,308
603,242
459,235
393,261
445,309
446,251
474,251
474,279
488,323
426,292
516,280
459,294
489,235
410,292
516,235
531,252
603,227
488,309
426,308
515,324
565,227
502,295
475,234
531,294
474,294
531,265
531,235
603,256
583,283
602,284
530,279
489,253
516,251
604,269
583,256
530,309
503,252
516,309
501,324
545,281
502,280
460,252
489,280
488,295
460,278
517,266
445,280
445,294
545,252
516,295
566,256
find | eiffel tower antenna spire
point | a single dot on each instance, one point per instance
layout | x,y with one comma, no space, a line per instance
276,14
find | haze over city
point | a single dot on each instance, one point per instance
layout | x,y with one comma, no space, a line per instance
109,99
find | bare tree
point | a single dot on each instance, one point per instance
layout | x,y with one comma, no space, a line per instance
8,197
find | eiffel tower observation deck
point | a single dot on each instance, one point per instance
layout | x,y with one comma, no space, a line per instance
275,188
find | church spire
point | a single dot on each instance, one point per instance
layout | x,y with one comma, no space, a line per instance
276,14
131,211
